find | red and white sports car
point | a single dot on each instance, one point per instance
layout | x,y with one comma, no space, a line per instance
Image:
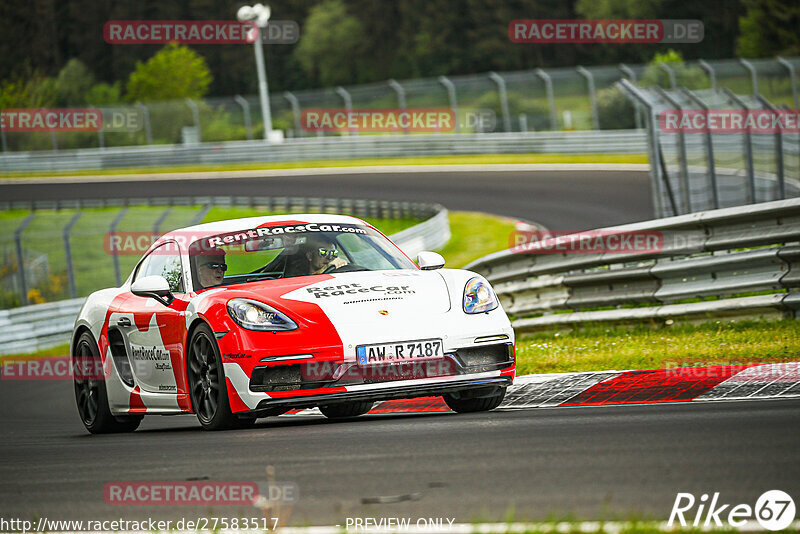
249,318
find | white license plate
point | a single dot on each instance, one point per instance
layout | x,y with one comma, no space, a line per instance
404,351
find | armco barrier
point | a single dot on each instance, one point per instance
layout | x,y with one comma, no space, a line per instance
299,149
40,326
732,262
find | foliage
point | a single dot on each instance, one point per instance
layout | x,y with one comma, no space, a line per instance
330,44
689,77
615,110
769,28
175,72
35,92
73,83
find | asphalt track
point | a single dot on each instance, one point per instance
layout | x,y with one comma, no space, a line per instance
616,462
559,199
594,462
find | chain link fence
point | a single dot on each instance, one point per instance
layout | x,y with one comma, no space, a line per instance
522,101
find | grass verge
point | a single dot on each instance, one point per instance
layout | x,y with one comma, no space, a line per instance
474,159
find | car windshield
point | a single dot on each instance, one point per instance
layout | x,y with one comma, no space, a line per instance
286,251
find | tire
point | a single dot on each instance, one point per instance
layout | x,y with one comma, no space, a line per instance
207,387
91,396
475,404
346,409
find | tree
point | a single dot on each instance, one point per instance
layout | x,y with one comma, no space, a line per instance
173,72
331,43
689,77
73,83
769,28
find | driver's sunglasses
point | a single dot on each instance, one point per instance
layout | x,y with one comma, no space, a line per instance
328,253
222,266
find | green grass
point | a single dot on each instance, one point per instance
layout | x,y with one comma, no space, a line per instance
479,159
475,235
620,348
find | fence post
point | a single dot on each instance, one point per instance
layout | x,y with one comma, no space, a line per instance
673,82
3,136
686,200
73,292
295,104
101,140
23,286
348,102
708,143
778,151
112,230
53,140
523,122
748,147
195,117
551,100
159,222
656,190
451,96
712,74
753,74
248,125
401,96
627,71
148,132
792,79
501,88
586,73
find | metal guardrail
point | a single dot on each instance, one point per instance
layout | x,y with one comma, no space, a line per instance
302,149
737,262
40,326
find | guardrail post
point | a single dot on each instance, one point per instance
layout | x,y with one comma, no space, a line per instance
586,73
245,105
708,143
101,140
348,102
657,174
73,292
295,104
673,82
627,71
112,230
753,74
148,132
23,286
195,117
523,122
551,100
501,88
401,96
779,169
686,200
748,147
451,96
53,140
792,79
159,222
712,74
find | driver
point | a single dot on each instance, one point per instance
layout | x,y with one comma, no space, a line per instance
211,267
321,254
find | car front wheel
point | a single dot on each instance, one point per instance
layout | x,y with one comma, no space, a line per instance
345,409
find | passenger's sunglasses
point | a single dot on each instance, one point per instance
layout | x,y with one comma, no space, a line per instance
328,253
222,266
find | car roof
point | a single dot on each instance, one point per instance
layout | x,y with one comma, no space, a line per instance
246,223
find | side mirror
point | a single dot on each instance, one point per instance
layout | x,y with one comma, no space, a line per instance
429,261
155,287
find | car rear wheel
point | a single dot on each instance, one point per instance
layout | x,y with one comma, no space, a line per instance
90,391
482,403
207,386
345,409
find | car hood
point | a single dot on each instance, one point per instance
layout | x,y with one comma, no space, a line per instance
360,296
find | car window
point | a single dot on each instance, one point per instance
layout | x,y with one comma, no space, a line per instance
163,261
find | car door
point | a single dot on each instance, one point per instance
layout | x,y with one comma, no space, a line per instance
154,333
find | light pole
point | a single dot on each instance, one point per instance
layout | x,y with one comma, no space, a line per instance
260,15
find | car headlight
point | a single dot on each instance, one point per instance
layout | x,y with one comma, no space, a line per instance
254,315
479,297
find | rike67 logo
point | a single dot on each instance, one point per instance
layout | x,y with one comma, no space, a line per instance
773,510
